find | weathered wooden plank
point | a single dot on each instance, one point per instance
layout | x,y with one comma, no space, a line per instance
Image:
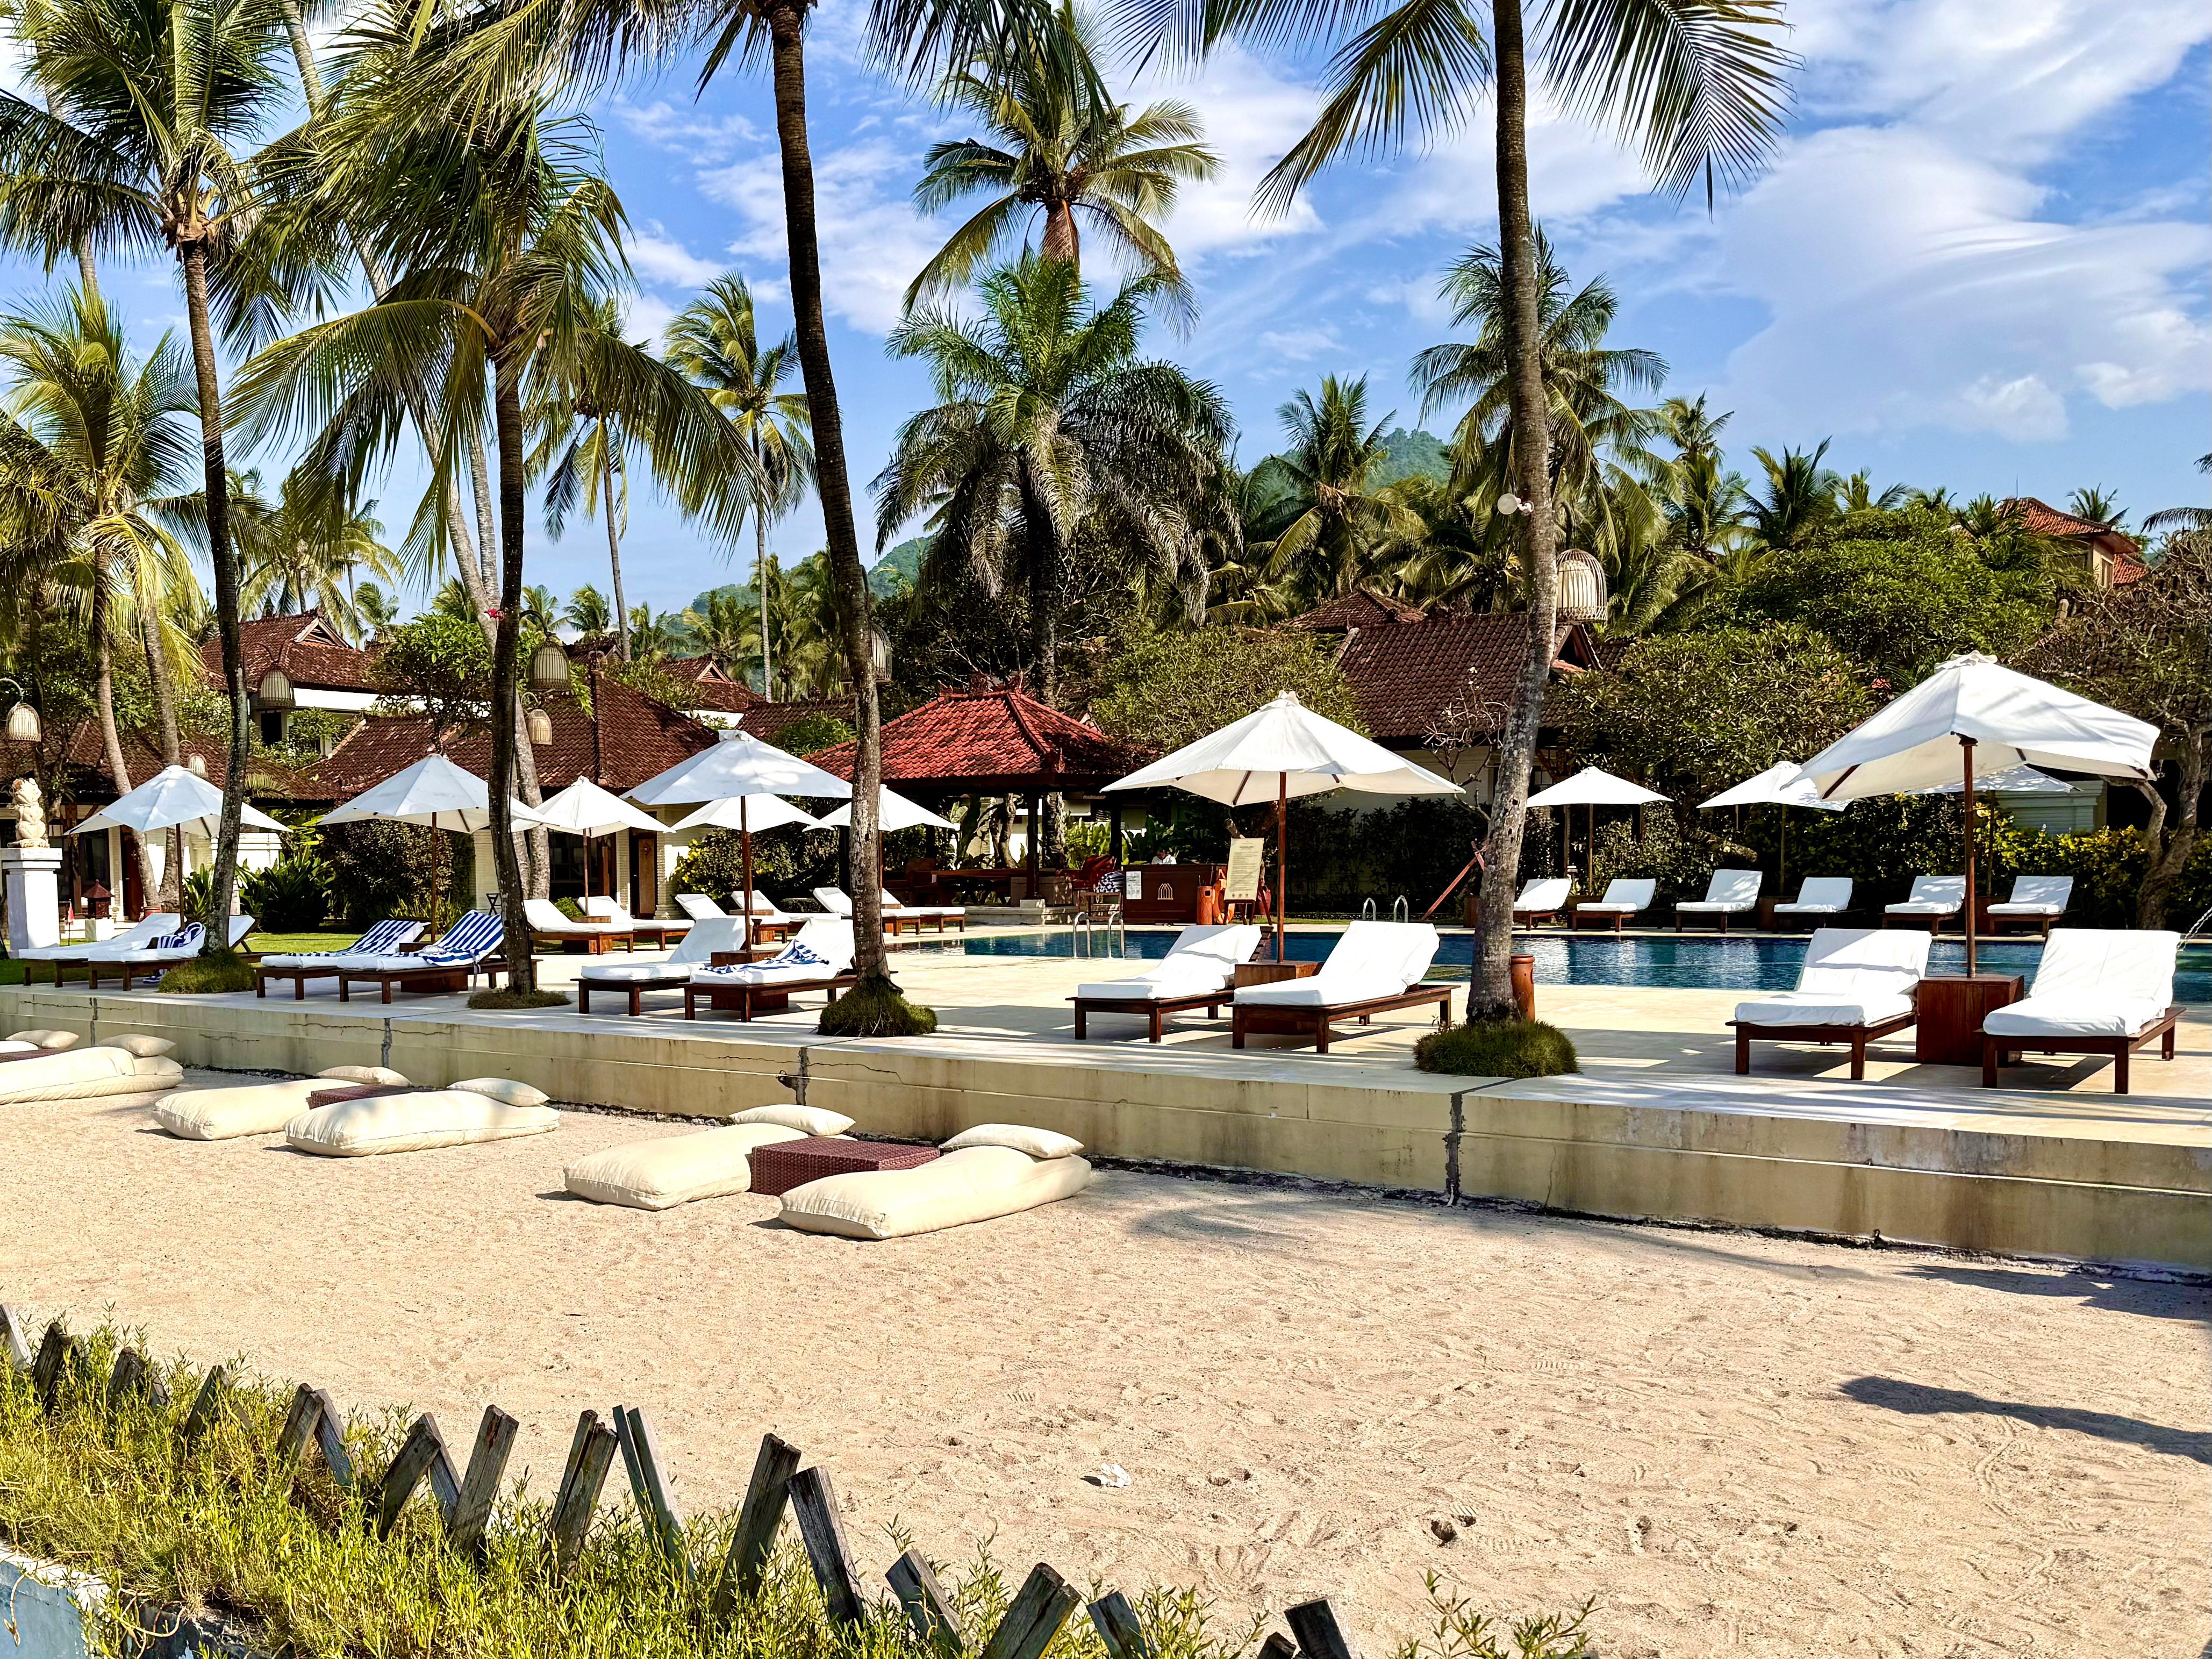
1040,1608
1115,1621
15,1346
205,1404
590,1454
1319,1636
299,1431
127,1380
47,1367
648,1486
762,1513
480,1486
1278,1646
928,1609
814,1505
330,1438
421,1455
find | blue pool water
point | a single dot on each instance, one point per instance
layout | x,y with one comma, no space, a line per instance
1694,963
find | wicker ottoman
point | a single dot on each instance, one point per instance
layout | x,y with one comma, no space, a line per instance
788,1163
338,1093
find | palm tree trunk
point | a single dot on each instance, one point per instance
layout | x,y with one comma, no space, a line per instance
505,693
614,539
172,748
1490,993
1045,560
110,736
223,555
760,573
787,22
1062,240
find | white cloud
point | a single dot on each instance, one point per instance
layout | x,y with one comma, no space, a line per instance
688,131
1300,345
646,317
1251,115
658,258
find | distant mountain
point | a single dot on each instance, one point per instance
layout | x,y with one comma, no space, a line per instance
898,570
1413,453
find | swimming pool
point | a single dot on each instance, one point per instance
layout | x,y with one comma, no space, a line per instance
1695,961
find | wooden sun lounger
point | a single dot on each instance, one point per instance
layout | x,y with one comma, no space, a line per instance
430,978
2006,1049
1857,1035
634,988
1156,1008
746,1001
1315,1022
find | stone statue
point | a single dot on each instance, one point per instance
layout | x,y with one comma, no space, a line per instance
30,814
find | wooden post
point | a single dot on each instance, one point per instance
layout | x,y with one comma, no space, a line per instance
480,1486
647,1487
329,1439
1115,1621
1278,1646
421,1454
814,1505
15,1347
59,1354
590,1456
205,1404
1282,857
298,1426
1040,1608
927,1608
1966,748
1319,1636
755,1538
132,1378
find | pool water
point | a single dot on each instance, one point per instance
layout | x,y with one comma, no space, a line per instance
1701,962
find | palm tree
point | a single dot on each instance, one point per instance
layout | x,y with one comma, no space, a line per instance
713,340
1332,515
1800,497
1699,83
2179,521
1047,419
301,552
509,240
2098,506
139,148
379,612
727,630
587,451
1060,149
94,445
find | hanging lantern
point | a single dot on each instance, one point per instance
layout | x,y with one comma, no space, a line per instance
1582,595
274,695
197,765
23,724
879,654
549,667
539,724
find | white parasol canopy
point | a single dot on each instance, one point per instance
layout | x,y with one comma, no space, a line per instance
893,812
433,792
1783,784
746,813
2019,781
740,764
1595,787
1970,719
1275,752
173,798
586,809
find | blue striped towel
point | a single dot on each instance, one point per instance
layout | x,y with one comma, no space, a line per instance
470,939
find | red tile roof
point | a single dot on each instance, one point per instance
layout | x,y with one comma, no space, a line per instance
85,777
1409,674
716,689
304,646
2119,549
634,738
986,737
1361,608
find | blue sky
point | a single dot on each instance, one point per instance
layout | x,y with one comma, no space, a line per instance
1980,258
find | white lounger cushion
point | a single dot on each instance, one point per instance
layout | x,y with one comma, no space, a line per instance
1932,895
1202,959
699,907
1820,896
2091,982
413,1123
23,1042
1370,959
544,916
1625,895
252,1109
823,949
1546,893
1730,891
977,1183
1850,976
660,1174
150,927
695,949
2037,895
87,1074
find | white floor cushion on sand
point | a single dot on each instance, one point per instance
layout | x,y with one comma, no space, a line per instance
672,1170
87,1074
976,1184
52,1042
807,1120
504,1090
251,1108
413,1123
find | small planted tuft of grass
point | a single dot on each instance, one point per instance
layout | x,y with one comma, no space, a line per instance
509,998
209,974
876,1007
1497,1047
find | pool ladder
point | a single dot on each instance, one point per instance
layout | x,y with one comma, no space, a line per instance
1084,939
2202,925
1401,909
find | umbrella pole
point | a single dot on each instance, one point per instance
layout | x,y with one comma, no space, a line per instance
745,847
430,921
1282,857
1966,748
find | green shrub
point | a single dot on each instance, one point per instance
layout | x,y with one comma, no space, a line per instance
504,999
1497,1047
211,975
812,733
196,895
292,896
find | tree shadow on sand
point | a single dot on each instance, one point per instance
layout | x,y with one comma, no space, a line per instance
2153,1298
1921,1400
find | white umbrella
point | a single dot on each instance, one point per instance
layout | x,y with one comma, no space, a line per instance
173,798
434,793
893,812
740,764
2017,781
585,809
1970,719
1278,751
1593,787
1783,784
747,812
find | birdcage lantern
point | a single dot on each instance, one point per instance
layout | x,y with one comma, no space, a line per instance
23,725
548,666
539,725
1582,596
274,695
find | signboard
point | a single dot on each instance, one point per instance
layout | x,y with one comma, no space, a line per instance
1136,883
1242,885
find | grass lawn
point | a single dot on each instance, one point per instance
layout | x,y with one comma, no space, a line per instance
11,973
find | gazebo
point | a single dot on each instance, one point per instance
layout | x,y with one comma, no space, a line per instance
990,738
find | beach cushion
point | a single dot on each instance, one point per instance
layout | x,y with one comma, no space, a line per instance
1932,895
504,1090
37,1038
383,1074
2091,982
975,1183
1038,1143
1821,893
1624,894
1850,977
672,1170
87,1074
695,948
413,1123
1202,959
1370,959
2037,895
252,1109
823,949
698,905
1821,1008
1546,893
142,1048
1728,890
806,1119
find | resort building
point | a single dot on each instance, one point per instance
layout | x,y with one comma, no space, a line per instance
2115,558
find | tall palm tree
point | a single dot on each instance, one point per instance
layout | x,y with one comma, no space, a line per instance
1323,529
727,630
303,553
94,446
2179,521
1059,149
716,341
1697,84
507,240
1858,494
1046,418
1799,497
2098,505
151,107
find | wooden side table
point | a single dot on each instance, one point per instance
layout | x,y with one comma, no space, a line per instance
1270,973
1949,1029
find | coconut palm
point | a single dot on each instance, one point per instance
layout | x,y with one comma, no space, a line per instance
152,106
94,445
1058,149
379,610
714,340
2097,505
1330,514
726,630
2178,521
1046,418
1799,497
1697,84
303,553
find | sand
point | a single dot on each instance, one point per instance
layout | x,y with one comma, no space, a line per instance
1740,1446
